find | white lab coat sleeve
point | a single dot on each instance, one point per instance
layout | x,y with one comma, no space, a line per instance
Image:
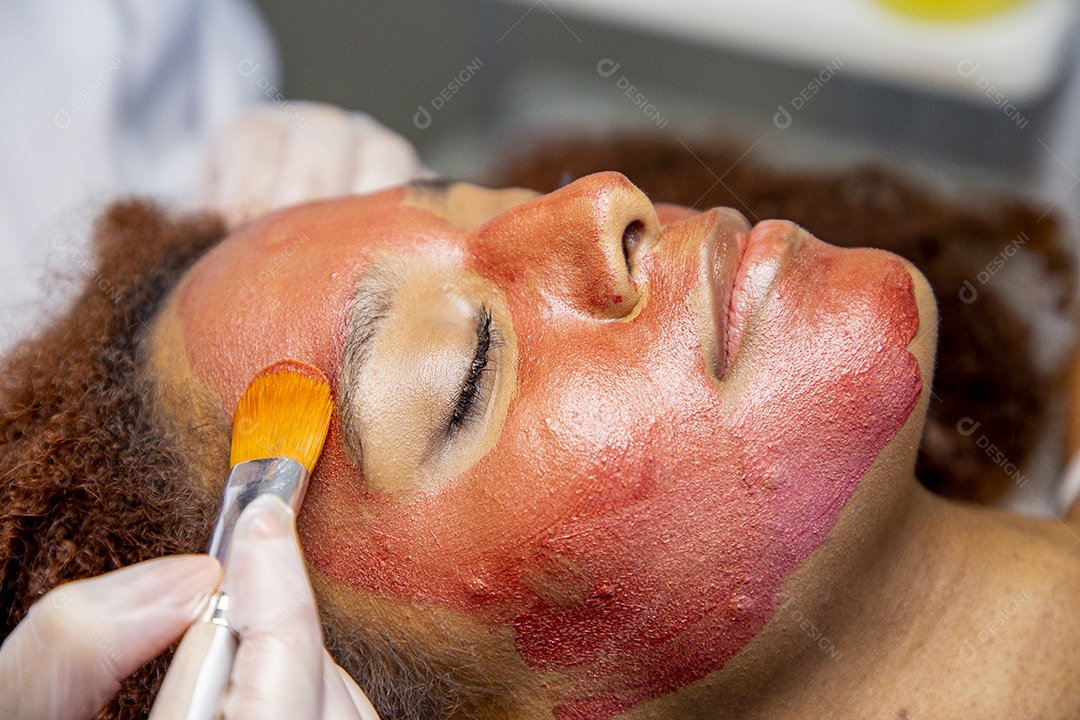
105,98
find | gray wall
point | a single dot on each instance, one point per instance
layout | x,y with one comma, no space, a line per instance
539,70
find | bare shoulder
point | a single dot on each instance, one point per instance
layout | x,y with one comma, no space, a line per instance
986,624
1014,645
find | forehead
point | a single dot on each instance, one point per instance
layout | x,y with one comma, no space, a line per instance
400,218
281,286
463,205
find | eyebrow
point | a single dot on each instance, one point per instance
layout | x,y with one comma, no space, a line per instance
371,305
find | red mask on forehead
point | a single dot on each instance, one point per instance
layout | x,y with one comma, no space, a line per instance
635,519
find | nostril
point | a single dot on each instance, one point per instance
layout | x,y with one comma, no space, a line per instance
632,236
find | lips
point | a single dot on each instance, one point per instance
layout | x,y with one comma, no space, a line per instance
726,237
742,275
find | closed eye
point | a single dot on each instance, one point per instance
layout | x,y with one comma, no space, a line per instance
428,372
470,400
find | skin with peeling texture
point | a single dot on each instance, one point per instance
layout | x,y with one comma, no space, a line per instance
637,515
624,441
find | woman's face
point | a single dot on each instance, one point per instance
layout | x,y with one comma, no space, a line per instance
611,427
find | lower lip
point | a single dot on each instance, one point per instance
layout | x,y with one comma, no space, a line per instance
769,249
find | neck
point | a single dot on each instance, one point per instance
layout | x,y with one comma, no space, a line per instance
834,616
966,614
947,616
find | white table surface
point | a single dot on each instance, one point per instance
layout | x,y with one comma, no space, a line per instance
1018,52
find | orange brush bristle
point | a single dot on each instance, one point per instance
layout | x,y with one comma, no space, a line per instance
285,412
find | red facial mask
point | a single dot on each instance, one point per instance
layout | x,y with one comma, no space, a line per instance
637,516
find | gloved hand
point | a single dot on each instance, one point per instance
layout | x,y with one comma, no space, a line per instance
68,656
281,668
277,155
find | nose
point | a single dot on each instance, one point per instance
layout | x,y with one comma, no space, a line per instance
580,246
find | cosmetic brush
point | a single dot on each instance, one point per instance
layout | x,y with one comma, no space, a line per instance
277,435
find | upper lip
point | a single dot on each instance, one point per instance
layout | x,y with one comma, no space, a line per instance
767,250
726,237
739,266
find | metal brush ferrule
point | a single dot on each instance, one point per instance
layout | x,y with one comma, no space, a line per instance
248,480
216,611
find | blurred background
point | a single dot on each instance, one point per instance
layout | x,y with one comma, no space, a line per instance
968,88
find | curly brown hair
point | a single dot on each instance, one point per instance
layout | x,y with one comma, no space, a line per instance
985,367
88,482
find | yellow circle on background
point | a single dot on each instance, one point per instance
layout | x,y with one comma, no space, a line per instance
950,9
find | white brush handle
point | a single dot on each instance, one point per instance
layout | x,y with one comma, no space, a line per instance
199,673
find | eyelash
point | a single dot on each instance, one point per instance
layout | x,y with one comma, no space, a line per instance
470,399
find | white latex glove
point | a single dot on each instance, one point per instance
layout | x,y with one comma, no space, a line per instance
277,155
69,654
281,669
67,657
